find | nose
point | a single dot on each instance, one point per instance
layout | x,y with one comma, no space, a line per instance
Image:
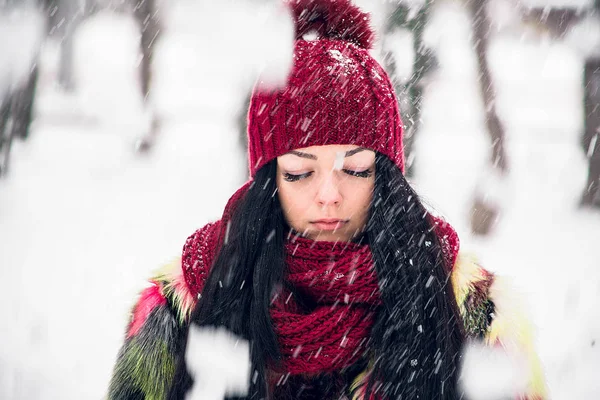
328,192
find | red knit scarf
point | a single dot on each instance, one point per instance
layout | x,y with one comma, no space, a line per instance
340,283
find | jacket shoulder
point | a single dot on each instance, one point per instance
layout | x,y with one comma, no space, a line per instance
494,312
154,337
160,319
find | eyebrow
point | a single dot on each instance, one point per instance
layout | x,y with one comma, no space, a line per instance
313,157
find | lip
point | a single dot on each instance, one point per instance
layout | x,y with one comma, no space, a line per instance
329,224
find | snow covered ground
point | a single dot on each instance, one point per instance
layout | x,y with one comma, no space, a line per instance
84,220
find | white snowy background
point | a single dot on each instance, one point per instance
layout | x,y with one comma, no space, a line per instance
84,220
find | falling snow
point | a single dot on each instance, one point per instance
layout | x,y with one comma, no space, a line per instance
84,220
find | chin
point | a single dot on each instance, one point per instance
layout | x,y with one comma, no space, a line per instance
330,237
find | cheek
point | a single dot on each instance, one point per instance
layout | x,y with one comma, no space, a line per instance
293,199
362,199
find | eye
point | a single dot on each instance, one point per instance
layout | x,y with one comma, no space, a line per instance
361,174
294,178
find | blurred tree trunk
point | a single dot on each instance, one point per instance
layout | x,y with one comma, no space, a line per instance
484,213
147,17
16,103
591,137
481,29
63,18
16,115
5,133
410,94
22,104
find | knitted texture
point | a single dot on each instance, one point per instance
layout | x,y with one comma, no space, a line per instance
198,255
339,280
336,93
448,239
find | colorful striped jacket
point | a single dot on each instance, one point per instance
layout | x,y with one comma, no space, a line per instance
146,363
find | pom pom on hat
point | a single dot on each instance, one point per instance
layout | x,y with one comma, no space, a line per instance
332,19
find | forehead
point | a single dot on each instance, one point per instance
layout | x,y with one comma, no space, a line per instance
331,150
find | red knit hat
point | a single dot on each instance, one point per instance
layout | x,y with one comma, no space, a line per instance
336,93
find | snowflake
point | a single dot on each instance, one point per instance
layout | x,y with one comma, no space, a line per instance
345,64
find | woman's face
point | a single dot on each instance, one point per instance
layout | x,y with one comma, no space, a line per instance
326,191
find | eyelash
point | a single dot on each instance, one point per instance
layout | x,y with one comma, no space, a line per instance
295,178
359,174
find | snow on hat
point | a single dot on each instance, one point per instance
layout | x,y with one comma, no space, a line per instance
336,93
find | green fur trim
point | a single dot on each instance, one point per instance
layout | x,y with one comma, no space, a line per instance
471,285
150,373
146,363
477,308
478,318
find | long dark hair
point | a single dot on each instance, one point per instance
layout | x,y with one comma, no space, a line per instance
238,291
417,337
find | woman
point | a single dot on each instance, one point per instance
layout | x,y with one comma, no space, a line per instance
326,261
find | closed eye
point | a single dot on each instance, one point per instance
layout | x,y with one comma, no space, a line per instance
294,178
361,174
